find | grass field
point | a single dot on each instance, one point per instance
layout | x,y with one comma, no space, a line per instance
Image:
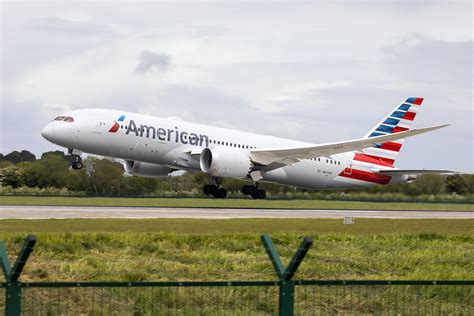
232,203
161,249
194,249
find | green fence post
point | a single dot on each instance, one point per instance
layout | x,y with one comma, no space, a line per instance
12,274
287,285
13,299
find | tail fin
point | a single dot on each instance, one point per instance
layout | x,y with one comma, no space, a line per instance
399,120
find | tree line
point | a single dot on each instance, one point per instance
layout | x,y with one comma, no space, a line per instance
105,177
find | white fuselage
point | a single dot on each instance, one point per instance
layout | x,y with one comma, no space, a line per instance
177,144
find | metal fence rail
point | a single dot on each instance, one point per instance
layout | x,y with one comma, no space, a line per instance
284,296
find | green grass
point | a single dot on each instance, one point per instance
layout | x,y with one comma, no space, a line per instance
176,249
232,203
362,226
195,249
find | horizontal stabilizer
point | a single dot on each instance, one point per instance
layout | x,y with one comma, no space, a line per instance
414,172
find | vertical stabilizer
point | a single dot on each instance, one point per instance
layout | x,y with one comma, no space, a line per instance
399,120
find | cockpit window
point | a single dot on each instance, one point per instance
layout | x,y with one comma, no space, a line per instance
64,118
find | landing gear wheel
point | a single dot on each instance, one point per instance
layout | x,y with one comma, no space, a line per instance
259,194
220,193
77,163
210,189
247,189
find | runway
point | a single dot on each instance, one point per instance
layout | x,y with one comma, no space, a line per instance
61,212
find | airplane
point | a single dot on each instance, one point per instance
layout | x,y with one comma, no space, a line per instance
156,147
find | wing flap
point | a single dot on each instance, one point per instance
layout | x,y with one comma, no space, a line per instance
289,156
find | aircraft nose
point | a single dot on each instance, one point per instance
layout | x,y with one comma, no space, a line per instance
48,132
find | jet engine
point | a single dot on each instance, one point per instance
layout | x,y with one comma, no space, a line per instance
145,169
225,163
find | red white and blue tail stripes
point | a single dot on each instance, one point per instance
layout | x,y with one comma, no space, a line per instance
382,156
399,120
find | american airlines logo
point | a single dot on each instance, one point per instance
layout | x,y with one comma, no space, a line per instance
162,134
116,125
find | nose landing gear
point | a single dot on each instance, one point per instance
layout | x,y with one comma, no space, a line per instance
76,163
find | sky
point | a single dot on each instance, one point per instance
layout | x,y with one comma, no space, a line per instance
313,71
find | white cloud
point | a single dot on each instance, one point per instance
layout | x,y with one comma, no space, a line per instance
296,96
311,71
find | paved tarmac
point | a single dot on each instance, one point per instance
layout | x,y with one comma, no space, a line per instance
45,212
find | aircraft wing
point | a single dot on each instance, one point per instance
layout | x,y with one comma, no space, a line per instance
413,172
288,156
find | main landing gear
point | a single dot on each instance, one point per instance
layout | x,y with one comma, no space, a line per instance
215,191
254,192
220,193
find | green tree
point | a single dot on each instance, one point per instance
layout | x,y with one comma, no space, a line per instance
139,185
5,163
456,184
469,179
23,156
429,184
52,171
10,176
105,176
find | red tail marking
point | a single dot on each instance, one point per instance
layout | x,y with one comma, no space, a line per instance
418,101
367,176
399,129
409,116
391,146
387,162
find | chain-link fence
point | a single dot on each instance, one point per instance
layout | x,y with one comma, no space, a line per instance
320,297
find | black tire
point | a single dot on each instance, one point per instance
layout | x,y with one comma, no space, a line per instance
246,190
259,194
253,190
210,189
76,165
220,193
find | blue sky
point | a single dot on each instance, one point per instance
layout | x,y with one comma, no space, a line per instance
313,71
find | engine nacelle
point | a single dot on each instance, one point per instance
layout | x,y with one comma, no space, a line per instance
225,163
145,169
